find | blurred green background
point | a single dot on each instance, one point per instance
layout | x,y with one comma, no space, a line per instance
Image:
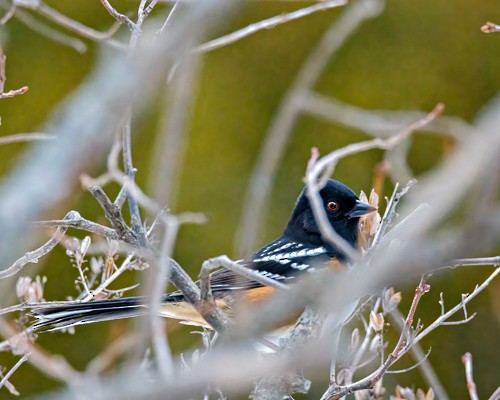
413,56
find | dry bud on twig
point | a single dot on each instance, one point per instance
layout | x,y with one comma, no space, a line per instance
405,393
355,339
30,290
377,321
490,27
369,223
390,300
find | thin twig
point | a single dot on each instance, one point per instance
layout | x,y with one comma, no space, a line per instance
123,19
135,28
13,93
457,308
389,213
416,365
13,369
77,27
173,11
33,256
7,16
3,77
471,386
25,137
135,215
17,307
78,222
45,30
495,395
114,215
124,267
267,24
480,261
423,363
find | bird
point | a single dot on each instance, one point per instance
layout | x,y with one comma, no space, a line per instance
300,250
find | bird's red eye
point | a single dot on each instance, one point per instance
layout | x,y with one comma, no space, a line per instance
332,206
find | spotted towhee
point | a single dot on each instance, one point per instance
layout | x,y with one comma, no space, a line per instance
298,251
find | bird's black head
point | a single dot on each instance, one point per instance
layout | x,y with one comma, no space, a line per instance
342,207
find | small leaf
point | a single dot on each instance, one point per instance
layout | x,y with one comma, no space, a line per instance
72,244
355,339
95,265
362,197
84,247
391,300
374,197
377,321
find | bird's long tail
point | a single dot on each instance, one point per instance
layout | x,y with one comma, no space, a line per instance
55,316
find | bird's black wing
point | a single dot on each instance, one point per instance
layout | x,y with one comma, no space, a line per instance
282,260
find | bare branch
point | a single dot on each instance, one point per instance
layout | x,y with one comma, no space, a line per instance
78,222
25,137
123,19
114,216
8,15
479,261
13,93
173,11
471,386
33,256
45,30
6,377
458,307
75,26
416,365
124,267
495,395
267,24
130,171
3,78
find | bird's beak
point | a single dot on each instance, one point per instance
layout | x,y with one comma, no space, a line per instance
360,209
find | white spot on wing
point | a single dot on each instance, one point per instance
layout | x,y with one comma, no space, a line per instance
300,267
